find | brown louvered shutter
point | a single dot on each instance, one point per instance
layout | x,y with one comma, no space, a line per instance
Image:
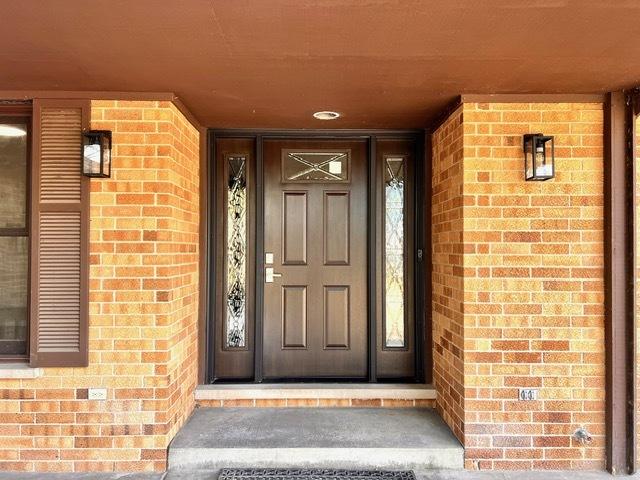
59,235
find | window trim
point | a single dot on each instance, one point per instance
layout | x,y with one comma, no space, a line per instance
13,112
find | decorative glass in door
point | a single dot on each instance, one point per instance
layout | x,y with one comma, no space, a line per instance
236,293
303,166
394,241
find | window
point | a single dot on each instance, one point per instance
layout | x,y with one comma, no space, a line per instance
44,241
236,252
394,243
14,233
301,166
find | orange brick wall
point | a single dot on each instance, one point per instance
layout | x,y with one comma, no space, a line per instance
143,311
447,273
533,288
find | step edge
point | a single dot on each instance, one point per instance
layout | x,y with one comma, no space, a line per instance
433,458
381,449
218,392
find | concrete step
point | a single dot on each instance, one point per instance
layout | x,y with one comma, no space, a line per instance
356,438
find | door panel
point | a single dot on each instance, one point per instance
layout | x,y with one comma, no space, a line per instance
395,259
234,265
336,316
294,317
294,228
315,314
336,228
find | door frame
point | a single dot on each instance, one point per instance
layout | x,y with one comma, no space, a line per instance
422,240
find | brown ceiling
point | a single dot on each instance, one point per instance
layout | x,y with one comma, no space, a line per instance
272,63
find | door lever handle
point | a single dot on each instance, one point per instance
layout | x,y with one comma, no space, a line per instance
269,275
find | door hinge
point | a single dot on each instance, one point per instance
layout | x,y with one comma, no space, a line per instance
419,254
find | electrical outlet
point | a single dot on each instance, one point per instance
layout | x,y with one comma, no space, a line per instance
527,394
97,394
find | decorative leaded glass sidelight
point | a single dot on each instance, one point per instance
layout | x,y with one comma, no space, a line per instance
394,238
236,293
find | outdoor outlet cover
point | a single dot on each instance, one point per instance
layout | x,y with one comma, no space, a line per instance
528,394
97,394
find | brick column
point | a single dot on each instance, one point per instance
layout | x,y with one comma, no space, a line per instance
519,303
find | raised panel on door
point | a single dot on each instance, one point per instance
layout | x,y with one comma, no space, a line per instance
294,228
336,227
337,314
294,316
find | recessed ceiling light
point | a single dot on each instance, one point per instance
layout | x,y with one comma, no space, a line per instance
11,131
326,115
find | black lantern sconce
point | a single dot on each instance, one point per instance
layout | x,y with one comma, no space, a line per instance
539,157
96,153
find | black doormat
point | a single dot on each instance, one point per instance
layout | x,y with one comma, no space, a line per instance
312,474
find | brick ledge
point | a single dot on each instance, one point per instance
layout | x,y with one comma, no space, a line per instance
18,370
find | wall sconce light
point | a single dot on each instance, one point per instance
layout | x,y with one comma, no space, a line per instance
539,157
96,153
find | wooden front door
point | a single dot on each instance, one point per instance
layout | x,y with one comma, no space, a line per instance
315,244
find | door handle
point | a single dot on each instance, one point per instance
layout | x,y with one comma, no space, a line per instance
269,275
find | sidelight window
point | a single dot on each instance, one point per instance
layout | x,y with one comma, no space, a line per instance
236,294
394,258
14,235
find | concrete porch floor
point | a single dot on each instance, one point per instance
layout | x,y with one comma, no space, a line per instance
367,438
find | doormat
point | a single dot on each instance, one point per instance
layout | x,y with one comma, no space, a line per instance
312,474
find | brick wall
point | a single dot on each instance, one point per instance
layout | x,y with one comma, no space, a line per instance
143,311
533,288
447,274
